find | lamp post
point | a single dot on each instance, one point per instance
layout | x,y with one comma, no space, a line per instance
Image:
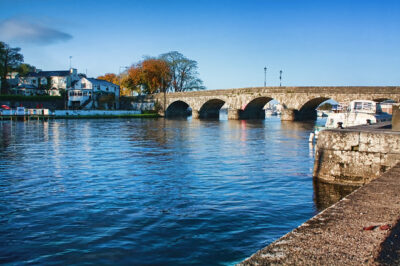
265,76
280,78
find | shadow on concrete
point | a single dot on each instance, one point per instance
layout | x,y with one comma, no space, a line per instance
390,249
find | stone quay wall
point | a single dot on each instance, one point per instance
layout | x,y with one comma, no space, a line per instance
357,155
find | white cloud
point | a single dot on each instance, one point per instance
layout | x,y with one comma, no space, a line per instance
16,29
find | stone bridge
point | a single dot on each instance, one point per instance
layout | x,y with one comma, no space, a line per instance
299,103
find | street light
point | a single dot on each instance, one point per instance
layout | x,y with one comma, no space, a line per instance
280,78
265,76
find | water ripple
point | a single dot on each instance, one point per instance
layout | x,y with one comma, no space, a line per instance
150,191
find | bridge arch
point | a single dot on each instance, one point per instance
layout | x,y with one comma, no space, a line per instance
255,108
211,108
308,110
178,109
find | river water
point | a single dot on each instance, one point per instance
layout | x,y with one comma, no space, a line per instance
151,191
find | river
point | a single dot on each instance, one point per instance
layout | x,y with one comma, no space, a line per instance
151,191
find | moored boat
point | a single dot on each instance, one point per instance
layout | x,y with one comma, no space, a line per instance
358,112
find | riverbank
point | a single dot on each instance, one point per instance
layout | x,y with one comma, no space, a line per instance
362,228
83,114
107,116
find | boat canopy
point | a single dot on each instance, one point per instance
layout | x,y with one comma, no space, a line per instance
364,106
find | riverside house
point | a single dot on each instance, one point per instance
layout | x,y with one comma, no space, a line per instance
37,83
90,93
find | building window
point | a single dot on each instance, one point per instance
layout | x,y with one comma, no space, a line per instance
83,85
107,89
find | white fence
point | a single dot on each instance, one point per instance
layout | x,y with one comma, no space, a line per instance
22,111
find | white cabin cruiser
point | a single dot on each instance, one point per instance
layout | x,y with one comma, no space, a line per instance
359,112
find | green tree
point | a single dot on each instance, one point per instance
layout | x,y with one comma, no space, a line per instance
24,69
10,58
184,75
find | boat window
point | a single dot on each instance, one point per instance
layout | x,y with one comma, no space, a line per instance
358,106
367,106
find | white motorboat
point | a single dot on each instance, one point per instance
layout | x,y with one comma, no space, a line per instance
359,112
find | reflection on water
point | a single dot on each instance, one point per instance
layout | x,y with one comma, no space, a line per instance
134,191
326,194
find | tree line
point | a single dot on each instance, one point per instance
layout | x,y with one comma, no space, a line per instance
169,72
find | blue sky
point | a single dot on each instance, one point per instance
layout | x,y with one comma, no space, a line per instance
315,43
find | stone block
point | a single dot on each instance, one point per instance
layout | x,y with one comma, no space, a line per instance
389,160
379,142
338,140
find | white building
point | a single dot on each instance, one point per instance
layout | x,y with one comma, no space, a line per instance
87,93
40,79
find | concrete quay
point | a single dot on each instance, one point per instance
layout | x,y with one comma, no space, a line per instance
337,235
356,155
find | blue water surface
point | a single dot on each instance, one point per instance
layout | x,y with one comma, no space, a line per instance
150,191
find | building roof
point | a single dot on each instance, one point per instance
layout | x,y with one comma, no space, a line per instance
27,86
101,82
55,73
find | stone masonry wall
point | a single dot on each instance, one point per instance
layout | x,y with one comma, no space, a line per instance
357,155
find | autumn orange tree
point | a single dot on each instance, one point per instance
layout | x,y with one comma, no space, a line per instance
148,76
155,75
110,77
116,79
169,72
132,78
